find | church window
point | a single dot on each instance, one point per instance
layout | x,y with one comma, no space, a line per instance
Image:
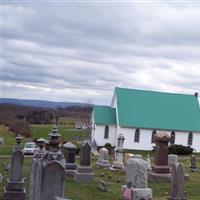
137,135
106,132
172,139
190,138
152,136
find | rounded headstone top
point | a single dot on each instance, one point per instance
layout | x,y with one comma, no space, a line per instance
162,137
42,140
103,149
69,145
121,137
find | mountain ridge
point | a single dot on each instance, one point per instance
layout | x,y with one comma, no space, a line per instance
40,103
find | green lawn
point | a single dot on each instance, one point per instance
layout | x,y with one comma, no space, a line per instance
39,131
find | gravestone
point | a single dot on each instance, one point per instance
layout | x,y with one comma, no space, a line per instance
160,169
36,170
103,158
102,186
193,165
172,159
14,189
119,152
136,173
177,183
70,153
48,170
148,160
127,156
53,175
83,173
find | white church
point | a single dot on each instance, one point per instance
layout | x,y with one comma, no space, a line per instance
139,114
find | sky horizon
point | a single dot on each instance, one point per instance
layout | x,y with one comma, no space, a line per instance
81,51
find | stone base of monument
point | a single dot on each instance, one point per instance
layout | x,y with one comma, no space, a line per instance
138,193
103,163
175,198
158,178
71,166
14,195
69,173
83,174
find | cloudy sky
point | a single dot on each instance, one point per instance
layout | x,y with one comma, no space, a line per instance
80,51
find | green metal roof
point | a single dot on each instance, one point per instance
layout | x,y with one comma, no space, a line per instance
104,115
157,110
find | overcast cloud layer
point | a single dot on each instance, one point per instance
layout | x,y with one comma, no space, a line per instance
82,51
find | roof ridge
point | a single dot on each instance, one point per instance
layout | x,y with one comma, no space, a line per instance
142,90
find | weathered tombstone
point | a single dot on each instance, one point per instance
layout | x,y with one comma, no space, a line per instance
193,165
14,189
48,170
102,186
53,175
148,160
127,156
177,183
118,163
136,173
103,158
83,173
172,159
160,170
70,154
36,170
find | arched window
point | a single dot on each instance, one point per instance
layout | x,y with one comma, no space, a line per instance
172,139
190,138
106,132
152,136
137,135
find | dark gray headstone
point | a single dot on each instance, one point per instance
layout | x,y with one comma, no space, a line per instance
193,163
53,176
85,153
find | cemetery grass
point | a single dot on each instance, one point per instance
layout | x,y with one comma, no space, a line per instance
78,191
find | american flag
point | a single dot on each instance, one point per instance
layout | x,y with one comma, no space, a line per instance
127,195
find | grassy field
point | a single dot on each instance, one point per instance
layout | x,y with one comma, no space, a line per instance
68,133
76,191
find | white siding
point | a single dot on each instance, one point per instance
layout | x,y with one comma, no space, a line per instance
98,135
145,139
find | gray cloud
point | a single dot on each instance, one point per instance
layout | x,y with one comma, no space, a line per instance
79,51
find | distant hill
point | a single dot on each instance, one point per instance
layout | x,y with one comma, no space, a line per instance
39,103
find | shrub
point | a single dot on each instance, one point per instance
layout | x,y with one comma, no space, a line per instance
180,150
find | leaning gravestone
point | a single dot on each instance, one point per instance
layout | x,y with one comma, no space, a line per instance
177,183
103,158
136,173
83,173
14,189
148,160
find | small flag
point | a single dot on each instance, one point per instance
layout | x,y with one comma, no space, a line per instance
127,195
